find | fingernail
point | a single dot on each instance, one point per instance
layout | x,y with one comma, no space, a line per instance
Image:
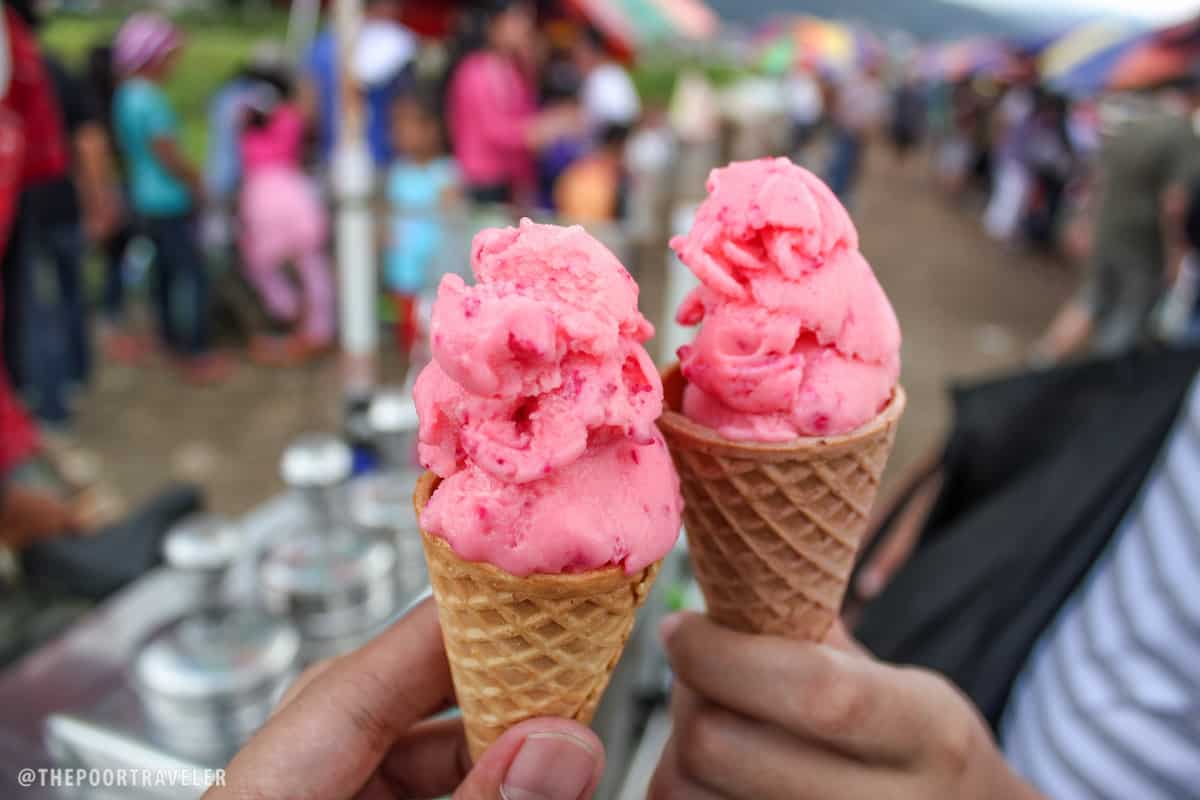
550,766
668,624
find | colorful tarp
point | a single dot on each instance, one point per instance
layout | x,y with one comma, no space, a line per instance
1098,58
816,44
631,25
965,58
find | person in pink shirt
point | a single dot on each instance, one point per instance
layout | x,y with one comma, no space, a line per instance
283,223
494,120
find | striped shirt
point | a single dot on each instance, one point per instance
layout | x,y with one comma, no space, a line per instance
1108,705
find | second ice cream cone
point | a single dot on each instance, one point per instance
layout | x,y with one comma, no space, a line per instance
524,647
773,529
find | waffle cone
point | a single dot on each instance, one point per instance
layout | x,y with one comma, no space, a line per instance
542,645
773,529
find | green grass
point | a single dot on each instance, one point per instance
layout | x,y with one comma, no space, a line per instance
655,76
216,45
214,49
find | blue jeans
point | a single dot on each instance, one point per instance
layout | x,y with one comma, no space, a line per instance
45,309
181,290
112,300
59,344
845,161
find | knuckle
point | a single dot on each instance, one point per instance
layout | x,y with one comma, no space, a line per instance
957,737
836,703
665,786
701,737
364,713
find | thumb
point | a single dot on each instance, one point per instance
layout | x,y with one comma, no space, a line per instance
540,759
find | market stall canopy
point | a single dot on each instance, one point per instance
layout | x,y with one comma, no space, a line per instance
1098,58
965,58
1083,59
632,25
815,44
1168,55
430,19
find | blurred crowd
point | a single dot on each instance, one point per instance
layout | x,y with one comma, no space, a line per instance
499,115
516,114
1107,183
1111,183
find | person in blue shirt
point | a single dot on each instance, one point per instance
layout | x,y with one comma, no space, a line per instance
166,190
420,186
379,65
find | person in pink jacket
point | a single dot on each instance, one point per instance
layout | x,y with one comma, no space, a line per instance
494,120
283,223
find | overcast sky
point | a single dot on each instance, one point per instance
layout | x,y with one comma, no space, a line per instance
1153,10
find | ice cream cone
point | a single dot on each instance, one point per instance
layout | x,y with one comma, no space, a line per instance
541,645
773,529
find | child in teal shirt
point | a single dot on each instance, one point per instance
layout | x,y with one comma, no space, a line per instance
165,190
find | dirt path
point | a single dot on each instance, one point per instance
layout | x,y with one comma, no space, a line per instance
967,307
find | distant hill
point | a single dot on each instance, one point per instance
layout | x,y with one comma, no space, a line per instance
927,19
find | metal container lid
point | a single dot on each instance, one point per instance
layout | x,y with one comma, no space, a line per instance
202,543
392,411
217,653
383,500
316,461
308,568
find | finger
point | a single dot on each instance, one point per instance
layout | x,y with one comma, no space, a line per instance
310,674
669,783
839,699
363,703
429,760
376,789
540,759
740,759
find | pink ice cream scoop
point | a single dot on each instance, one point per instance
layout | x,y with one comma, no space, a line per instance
538,410
797,338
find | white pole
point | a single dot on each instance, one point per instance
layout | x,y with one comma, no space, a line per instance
679,282
355,242
303,20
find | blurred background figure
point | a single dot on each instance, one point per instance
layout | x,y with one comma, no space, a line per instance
909,110
956,155
167,192
1146,170
34,155
223,172
284,225
1050,157
1010,171
422,188
594,188
857,112
117,341
607,94
381,64
805,108
495,126
70,211
43,161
